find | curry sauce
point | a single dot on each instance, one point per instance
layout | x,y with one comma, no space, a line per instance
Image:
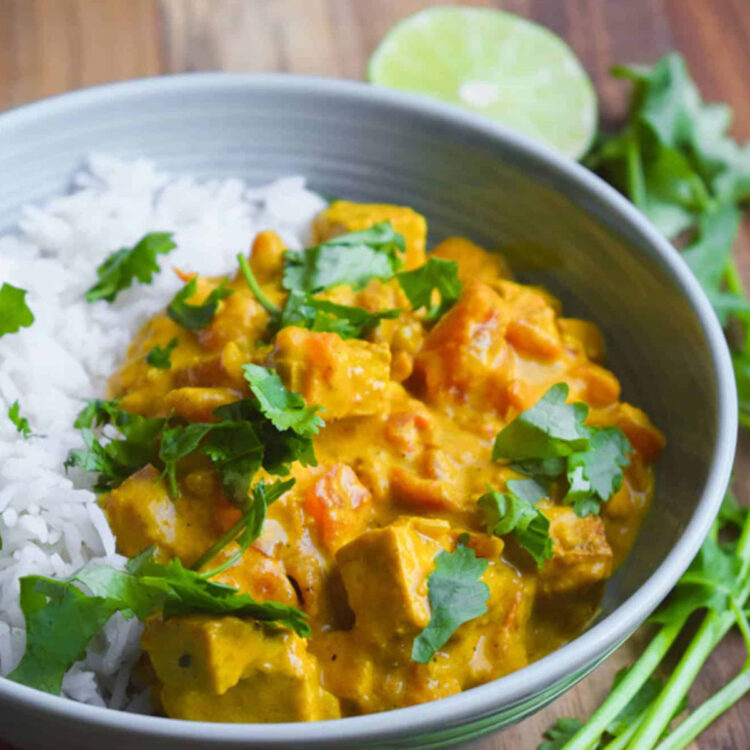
411,412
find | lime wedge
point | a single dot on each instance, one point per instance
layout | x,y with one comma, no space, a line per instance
496,64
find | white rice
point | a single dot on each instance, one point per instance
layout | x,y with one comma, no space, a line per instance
50,522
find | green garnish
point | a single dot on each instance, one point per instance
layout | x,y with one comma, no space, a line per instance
21,423
196,316
676,161
160,358
124,266
515,512
420,284
354,258
551,439
61,619
285,409
247,529
14,312
115,460
305,311
270,431
456,596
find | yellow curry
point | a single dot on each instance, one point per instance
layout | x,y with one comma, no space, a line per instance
411,410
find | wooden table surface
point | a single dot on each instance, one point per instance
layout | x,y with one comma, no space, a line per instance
51,46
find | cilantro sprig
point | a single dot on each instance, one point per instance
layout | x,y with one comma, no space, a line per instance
62,616
159,357
456,596
304,310
514,512
676,161
353,258
551,439
420,284
14,311
270,431
247,529
20,423
114,460
196,316
123,267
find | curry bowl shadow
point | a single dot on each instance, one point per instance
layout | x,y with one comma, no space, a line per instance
557,224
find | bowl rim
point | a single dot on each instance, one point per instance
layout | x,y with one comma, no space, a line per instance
600,639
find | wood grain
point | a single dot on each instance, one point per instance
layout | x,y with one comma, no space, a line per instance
51,46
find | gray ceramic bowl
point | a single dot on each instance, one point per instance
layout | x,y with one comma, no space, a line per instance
558,225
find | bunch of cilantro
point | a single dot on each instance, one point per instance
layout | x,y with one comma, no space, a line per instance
676,162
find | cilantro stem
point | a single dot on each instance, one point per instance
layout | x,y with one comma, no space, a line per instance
707,712
228,536
273,310
636,178
711,631
623,740
592,730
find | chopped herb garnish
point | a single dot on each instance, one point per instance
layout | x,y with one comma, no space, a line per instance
14,312
61,619
456,596
354,258
124,266
196,316
551,439
285,409
514,512
21,423
420,284
114,460
160,358
305,311
549,429
247,529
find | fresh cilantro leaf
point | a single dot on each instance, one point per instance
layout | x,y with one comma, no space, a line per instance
595,474
285,409
549,429
196,316
558,736
21,423
178,442
731,512
515,512
159,357
61,620
305,311
352,258
236,453
710,581
14,312
247,529
551,439
114,460
420,284
281,448
121,268
456,596
187,592
709,253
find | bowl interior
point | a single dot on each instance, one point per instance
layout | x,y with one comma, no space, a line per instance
556,228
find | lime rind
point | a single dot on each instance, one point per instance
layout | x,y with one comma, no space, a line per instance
496,64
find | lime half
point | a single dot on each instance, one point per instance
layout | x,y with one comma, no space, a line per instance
496,64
